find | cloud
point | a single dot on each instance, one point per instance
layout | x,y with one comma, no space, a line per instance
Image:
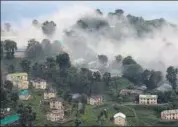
152,53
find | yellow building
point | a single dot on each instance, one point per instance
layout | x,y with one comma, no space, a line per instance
119,119
19,80
48,94
148,99
55,115
169,115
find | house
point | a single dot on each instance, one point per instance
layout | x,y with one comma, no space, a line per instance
19,80
9,120
24,95
119,119
49,94
55,115
130,92
148,99
95,100
53,103
39,83
169,115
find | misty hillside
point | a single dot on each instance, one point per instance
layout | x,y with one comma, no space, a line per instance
89,33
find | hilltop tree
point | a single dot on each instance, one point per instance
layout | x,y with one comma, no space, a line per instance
47,47
34,49
49,28
118,58
96,76
128,60
63,60
35,22
25,65
119,11
151,78
106,77
103,59
172,76
98,11
133,72
10,47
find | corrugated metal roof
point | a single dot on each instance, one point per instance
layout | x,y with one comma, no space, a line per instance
9,119
24,92
18,74
148,96
120,115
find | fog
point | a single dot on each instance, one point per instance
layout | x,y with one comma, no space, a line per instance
156,51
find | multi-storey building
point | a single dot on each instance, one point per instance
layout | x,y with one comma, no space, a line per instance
169,115
148,99
19,80
48,94
95,100
55,115
39,83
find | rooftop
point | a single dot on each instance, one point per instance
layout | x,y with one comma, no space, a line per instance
18,74
148,96
9,119
24,92
119,115
170,111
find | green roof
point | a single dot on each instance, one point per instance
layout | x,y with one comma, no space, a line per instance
9,119
18,74
24,92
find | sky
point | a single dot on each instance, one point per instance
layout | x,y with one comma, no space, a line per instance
18,10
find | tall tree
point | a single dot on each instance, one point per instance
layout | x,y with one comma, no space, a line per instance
25,65
10,47
34,49
128,60
97,76
103,59
63,60
49,28
118,58
172,76
106,77
133,73
151,78
47,47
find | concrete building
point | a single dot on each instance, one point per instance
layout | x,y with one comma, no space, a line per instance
39,83
48,94
148,99
169,115
130,92
24,95
56,104
19,80
55,115
119,119
95,100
